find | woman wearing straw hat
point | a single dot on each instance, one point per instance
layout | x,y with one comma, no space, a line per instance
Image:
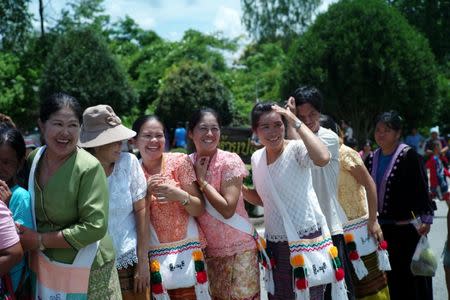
102,134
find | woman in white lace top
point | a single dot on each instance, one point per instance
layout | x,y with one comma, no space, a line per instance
102,134
289,164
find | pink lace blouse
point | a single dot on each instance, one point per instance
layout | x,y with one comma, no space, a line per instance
170,219
222,239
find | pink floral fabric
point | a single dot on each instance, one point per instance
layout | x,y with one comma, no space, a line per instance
170,219
223,240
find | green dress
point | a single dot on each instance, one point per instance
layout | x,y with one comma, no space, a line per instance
75,202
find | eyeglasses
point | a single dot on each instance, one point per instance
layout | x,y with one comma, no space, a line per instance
205,129
149,137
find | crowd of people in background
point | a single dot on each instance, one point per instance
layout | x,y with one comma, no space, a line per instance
172,225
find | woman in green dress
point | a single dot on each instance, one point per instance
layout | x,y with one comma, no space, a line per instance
70,198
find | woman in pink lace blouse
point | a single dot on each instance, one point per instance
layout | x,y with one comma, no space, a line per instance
231,255
172,188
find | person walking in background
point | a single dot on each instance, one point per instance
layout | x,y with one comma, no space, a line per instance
438,173
366,150
415,140
306,103
12,158
358,197
434,136
288,164
173,191
179,137
348,132
395,168
69,195
231,254
102,135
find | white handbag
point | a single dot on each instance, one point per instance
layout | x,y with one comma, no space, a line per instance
360,243
178,264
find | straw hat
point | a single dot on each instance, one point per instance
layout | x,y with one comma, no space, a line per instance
102,126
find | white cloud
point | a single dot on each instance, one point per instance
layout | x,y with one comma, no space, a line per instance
324,5
228,21
169,18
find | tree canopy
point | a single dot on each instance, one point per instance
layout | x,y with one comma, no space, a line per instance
365,58
270,20
431,18
81,65
15,24
188,87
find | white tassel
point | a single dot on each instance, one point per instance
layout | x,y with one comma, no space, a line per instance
383,260
202,291
338,290
268,280
302,294
163,296
360,268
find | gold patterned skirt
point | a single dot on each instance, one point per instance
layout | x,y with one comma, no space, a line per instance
234,277
104,283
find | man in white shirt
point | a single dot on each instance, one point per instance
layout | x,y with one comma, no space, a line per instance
306,103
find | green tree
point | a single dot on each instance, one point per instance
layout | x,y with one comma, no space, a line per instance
270,20
83,13
12,96
146,69
365,58
188,87
443,110
82,65
15,24
149,65
432,18
257,77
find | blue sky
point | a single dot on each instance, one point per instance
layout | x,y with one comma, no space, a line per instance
169,18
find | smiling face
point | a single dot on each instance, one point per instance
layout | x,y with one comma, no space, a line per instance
270,130
109,153
61,132
150,140
309,116
206,135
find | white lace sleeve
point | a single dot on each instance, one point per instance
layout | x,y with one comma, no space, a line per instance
138,184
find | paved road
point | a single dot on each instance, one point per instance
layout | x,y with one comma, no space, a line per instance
437,237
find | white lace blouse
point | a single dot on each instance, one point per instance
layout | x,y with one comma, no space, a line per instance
127,184
291,176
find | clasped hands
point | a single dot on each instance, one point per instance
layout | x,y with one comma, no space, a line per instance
161,187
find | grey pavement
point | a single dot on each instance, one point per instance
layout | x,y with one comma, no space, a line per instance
437,237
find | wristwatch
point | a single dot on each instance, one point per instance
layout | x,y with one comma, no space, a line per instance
41,244
297,124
